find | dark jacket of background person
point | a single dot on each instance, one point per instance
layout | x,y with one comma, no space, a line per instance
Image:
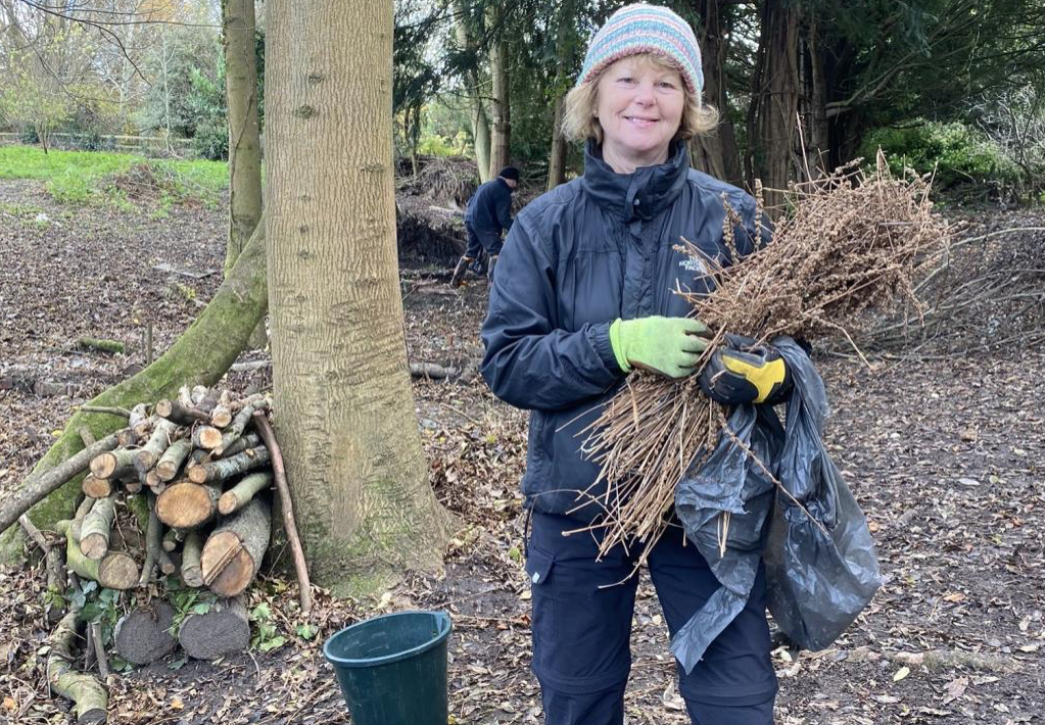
490,211
578,257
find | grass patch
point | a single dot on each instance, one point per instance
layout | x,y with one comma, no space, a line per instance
81,177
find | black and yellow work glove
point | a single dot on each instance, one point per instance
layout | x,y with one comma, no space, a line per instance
742,372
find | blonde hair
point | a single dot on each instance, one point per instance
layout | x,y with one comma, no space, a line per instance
579,122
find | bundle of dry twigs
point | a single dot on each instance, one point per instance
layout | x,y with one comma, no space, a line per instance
850,243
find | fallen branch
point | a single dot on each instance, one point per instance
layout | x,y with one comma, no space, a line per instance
36,489
90,699
287,505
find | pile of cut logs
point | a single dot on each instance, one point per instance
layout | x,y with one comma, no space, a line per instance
197,476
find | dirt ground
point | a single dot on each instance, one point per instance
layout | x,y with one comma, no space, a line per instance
943,451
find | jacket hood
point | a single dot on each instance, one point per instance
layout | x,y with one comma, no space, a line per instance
640,195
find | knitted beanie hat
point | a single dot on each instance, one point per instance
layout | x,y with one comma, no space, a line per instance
642,28
509,172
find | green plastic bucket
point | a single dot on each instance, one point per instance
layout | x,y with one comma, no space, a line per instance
392,669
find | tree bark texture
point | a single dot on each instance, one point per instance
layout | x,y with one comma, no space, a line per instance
776,104
200,356
716,153
500,102
241,87
465,35
346,423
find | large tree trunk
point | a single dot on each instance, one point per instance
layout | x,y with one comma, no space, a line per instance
241,91
199,357
241,87
817,135
480,121
500,103
565,42
773,115
346,421
557,157
716,153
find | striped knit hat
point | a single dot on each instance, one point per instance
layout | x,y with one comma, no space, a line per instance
642,28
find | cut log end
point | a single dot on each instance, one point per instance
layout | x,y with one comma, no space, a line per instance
94,546
186,505
143,636
227,503
96,487
223,630
207,437
118,570
104,465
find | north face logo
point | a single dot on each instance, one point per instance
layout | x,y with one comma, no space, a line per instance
694,264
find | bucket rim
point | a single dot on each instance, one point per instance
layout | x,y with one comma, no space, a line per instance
443,623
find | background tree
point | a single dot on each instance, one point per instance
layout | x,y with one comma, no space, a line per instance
342,388
241,84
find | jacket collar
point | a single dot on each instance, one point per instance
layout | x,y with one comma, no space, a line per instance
640,195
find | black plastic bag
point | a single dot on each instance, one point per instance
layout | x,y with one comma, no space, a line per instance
820,575
821,567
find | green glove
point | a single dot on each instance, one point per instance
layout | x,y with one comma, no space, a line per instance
666,345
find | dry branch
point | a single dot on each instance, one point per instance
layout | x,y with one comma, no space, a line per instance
37,488
287,507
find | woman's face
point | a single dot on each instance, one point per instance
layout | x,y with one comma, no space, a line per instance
640,109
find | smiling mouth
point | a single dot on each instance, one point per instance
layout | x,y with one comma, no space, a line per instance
641,121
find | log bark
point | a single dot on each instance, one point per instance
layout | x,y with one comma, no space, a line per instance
114,464
94,343
94,533
201,355
90,699
81,513
244,442
37,487
187,505
191,573
57,582
143,635
226,468
171,461
162,435
224,630
239,495
153,544
180,414
233,553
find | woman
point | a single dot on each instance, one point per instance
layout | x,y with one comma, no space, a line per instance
583,295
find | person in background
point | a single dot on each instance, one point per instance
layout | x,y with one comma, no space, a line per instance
488,214
583,297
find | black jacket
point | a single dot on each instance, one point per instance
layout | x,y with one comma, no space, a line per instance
578,257
490,209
